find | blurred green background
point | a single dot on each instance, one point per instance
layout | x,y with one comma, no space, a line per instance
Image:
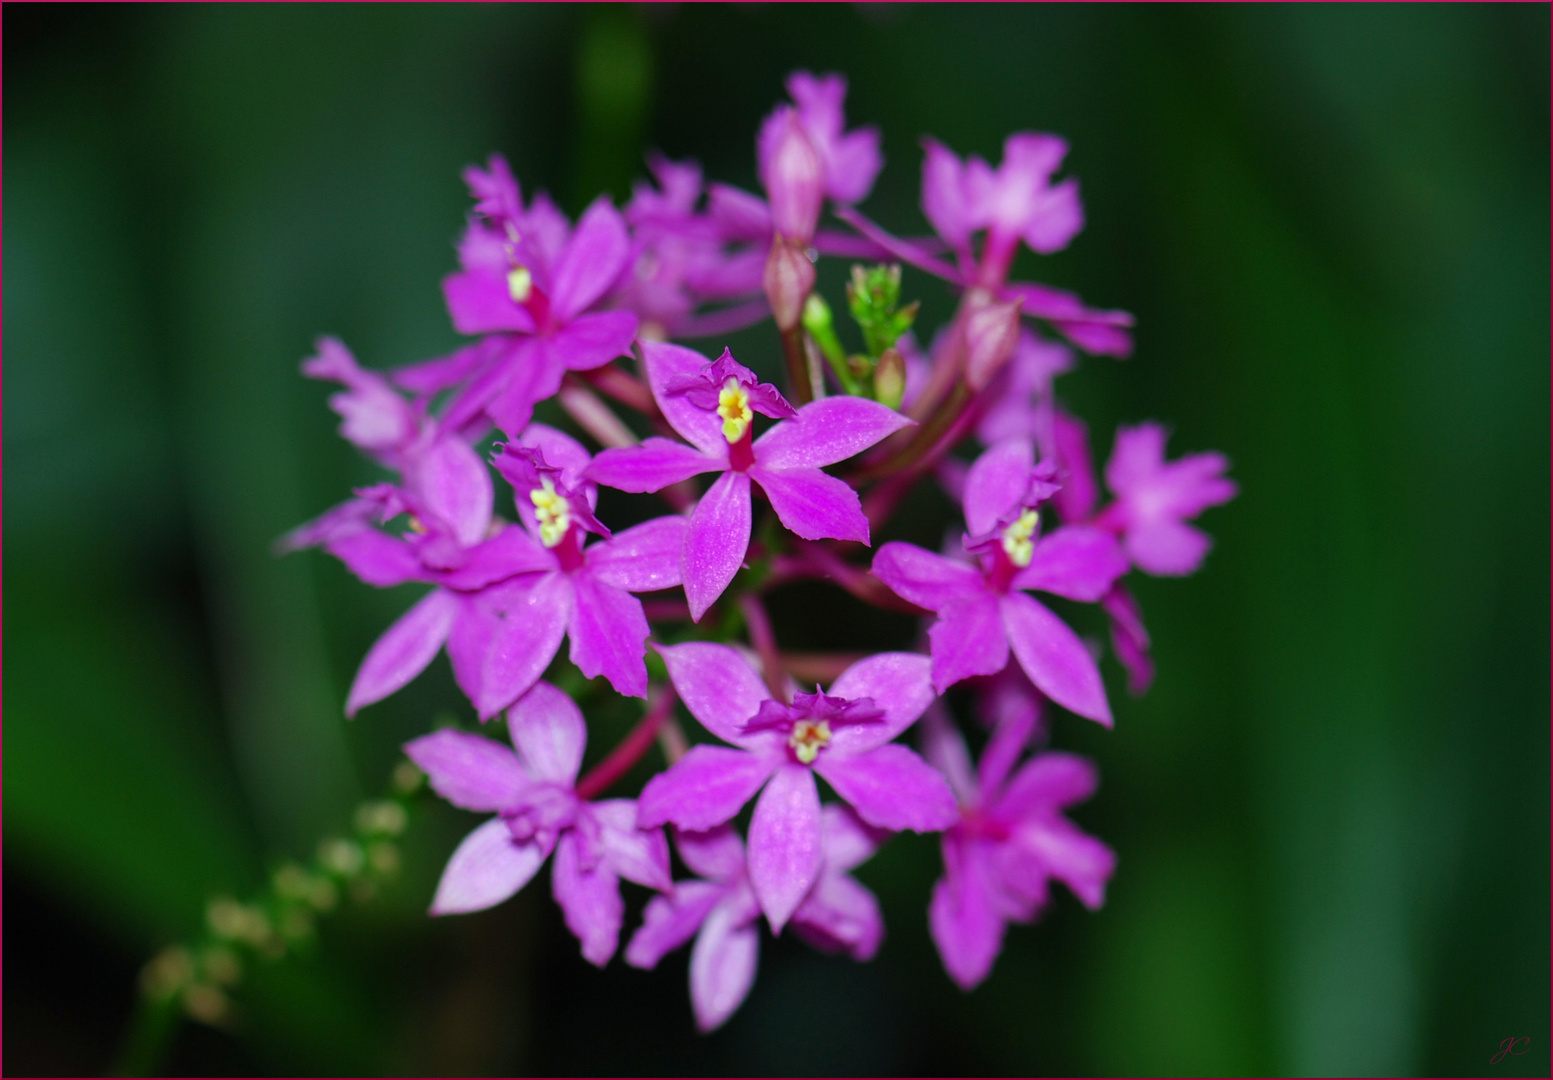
1331,812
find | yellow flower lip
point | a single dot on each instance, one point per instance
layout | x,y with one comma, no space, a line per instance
553,512
733,405
809,737
1018,538
520,283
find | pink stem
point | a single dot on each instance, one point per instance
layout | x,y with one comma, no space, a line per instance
624,388
599,778
887,494
764,640
816,561
593,416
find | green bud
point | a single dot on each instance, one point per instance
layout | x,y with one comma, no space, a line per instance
872,296
890,378
821,327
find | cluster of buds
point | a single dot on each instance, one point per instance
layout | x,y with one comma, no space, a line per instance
588,314
283,918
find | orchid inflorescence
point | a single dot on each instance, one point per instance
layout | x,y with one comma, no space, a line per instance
587,314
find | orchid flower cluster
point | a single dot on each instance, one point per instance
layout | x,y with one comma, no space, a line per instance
586,315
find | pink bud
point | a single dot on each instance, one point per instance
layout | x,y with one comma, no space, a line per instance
788,280
991,336
794,177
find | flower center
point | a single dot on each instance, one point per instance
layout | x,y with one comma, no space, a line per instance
519,284
1017,542
809,737
552,511
733,405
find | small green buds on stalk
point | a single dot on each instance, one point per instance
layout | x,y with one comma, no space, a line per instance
821,328
873,295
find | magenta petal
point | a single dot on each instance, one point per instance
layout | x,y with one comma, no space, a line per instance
532,374
1074,858
481,303
549,733
891,787
703,789
944,748
666,364
457,488
968,639
1054,658
589,896
998,480
559,449
826,432
375,557
784,842
1168,548
653,466
839,915
434,376
641,559
469,771
639,855
525,642
812,504
403,651
713,853
926,579
591,261
717,685
1049,782
738,214
487,867
1130,638
722,966
670,921
468,642
944,201
1076,501
1078,562
591,341
716,541
1006,746
899,683
963,916
846,839
609,635
507,554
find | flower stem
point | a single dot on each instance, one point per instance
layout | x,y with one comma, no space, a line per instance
598,779
797,356
624,388
593,416
764,640
813,560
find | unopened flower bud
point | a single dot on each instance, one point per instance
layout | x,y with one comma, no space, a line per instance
794,178
991,336
890,379
788,280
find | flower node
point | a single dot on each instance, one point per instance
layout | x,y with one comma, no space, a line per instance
809,737
553,512
733,405
1018,538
